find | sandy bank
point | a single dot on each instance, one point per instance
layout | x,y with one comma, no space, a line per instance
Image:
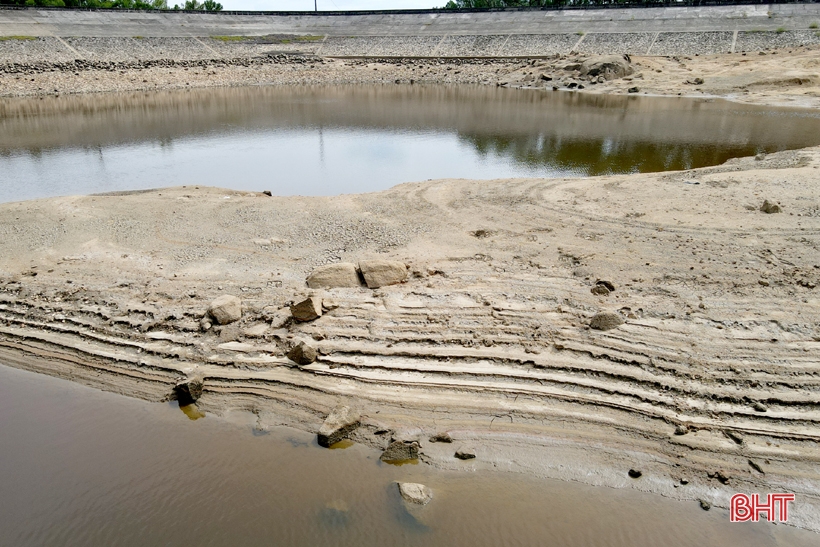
487,340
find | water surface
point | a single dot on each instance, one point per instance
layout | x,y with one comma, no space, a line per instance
328,140
83,467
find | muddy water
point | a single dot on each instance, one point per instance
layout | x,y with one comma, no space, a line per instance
335,140
83,467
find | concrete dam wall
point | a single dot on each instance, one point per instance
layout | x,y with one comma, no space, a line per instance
64,35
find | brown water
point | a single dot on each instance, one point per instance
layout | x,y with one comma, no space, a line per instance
328,140
84,467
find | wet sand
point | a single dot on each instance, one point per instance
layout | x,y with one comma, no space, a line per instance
489,339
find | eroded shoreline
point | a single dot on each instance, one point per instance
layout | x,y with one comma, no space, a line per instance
489,339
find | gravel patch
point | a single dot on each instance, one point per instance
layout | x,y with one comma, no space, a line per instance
602,44
539,44
691,43
759,41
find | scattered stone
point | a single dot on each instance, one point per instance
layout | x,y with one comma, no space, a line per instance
705,505
229,333
681,429
609,285
303,354
443,437
307,310
756,466
465,453
380,273
600,290
635,473
606,320
415,493
608,66
735,437
340,423
721,475
205,324
226,309
267,193
763,282
770,208
343,274
189,391
760,407
633,89
399,451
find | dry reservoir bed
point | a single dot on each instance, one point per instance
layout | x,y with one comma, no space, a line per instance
708,387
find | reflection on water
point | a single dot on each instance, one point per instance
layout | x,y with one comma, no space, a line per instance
192,411
331,140
83,467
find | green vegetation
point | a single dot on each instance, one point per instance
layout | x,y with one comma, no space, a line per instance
191,5
230,38
813,25
308,38
24,38
780,30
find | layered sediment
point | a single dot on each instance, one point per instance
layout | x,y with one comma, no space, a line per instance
713,370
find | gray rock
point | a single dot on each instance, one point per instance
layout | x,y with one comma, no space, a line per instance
769,207
681,429
443,437
415,493
189,391
307,310
380,273
256,331
705,505
303,354
399,451
226,309
760,407
608,66
635,473
338,425
465,453
343,274
600,290
606,320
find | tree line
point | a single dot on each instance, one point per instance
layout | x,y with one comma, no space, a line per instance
190,5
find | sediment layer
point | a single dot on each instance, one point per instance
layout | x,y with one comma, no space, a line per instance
489,339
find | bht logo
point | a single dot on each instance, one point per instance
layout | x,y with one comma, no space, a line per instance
745,508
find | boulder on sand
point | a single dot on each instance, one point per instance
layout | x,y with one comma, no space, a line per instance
343,274
338,425
606,320
608,66
226,309
380,273
189,391
400,451
307,310
303,354
415,493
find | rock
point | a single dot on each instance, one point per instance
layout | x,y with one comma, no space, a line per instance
267,193
606,320
769,208
205,324
415,493
633,89
303,354
307,310
399,451
760,407
338,425
465,453
608,66
189,391
441,438
343,274
226,309
380,273
705,505
228,333
635,473
609,285
681,429
599,290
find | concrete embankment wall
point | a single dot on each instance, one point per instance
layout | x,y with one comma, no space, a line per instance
118,35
